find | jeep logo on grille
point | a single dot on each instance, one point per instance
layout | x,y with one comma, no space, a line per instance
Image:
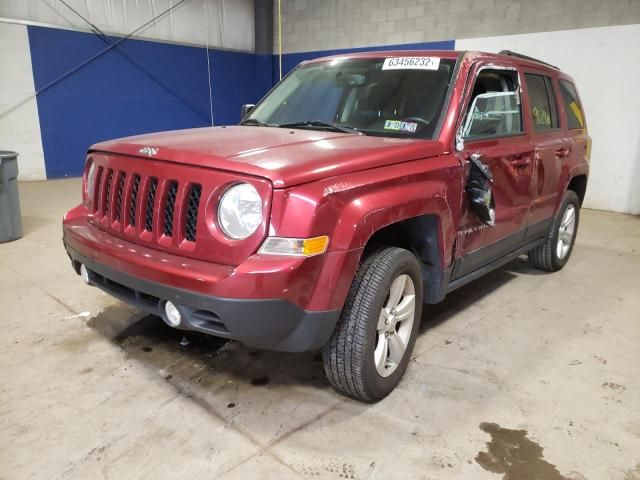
149,151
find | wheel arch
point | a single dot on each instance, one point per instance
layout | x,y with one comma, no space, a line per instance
422,235
578,184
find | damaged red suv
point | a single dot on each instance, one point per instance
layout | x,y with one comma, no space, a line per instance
361,187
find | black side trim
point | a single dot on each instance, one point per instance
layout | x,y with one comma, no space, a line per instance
271,324
423,237
486,255
444,281
436,285
459,282
539,229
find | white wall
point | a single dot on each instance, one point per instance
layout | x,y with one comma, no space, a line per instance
220,23
19,126
309,25
605,63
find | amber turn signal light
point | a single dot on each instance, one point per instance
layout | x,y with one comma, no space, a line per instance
298,247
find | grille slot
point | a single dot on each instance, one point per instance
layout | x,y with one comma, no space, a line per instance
107,194
134,200
96,188
191,218
120,193
148,211
170,207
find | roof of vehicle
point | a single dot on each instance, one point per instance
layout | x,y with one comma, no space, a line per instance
448,54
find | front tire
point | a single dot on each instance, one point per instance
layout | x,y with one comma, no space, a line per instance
372,344
554,253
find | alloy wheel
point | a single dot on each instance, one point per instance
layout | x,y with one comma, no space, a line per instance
395,325
566,231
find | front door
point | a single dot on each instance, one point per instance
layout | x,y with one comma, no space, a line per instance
494,128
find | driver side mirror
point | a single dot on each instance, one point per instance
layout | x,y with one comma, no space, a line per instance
479,190
245,109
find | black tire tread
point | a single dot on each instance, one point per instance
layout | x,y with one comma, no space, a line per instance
543,256
345,352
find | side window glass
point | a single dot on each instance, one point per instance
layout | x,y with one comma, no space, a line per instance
544,112
552,101
572,107
494,109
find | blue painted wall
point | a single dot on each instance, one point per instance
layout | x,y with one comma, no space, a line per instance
142,87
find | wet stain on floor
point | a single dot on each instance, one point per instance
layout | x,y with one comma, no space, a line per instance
515,456
189,358
632,474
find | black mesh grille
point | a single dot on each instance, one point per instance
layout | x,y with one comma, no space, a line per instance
148,213
191,220
107,187
120,193
134,200
169,208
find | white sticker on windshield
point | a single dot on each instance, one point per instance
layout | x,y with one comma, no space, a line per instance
411,63
410,127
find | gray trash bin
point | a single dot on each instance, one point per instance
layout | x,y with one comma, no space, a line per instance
10,219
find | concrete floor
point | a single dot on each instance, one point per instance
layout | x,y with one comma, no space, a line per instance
521,376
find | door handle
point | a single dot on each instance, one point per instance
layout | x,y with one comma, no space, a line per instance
521,160
563,152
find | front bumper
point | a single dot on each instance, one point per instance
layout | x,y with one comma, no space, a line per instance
275,303
271,324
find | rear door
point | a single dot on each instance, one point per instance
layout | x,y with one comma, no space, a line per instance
550,148
577,140
494,128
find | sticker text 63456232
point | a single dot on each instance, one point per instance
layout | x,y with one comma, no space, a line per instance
411,63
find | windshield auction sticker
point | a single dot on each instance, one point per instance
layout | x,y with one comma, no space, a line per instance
399,126
411,63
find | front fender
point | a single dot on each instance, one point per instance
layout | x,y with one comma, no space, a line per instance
350,209
364,215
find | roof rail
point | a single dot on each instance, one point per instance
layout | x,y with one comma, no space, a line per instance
525,57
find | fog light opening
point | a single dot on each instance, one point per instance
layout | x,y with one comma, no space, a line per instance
172,314
84,273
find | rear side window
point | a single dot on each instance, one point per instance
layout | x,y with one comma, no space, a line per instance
572,107
544,111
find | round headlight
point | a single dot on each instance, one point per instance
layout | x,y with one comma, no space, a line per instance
240,211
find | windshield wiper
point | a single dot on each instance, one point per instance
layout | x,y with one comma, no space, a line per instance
257,123
319,123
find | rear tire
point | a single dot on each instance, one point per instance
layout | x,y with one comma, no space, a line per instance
373,341
554,253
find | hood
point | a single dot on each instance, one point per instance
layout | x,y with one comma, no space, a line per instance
284,156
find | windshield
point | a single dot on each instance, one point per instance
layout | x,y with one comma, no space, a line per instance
396,97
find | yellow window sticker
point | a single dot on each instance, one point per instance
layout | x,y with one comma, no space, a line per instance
577,112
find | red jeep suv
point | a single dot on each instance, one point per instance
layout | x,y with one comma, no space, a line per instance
361,187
